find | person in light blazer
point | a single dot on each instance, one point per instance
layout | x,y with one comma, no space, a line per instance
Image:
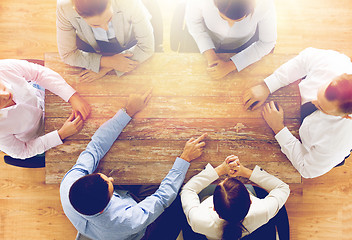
326,110
231,211
103,35
245,27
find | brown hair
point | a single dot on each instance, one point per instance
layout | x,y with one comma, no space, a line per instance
90,8
341,91
231,202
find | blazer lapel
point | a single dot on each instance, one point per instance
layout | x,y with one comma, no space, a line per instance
117,23
88,33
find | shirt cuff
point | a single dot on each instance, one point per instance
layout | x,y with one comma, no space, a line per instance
52,139
257,172
181,165
283,137
68,93
205,45
211,172
272,83
122,117
239,62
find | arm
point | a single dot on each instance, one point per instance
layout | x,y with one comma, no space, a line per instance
287,73
66,42
266,42
309,164
278,193
22,150
143,32
196,26
45,77
149,209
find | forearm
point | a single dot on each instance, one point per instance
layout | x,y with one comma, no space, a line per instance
22,150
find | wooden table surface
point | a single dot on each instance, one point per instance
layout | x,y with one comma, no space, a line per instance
186,102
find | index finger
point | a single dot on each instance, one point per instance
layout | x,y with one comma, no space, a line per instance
204,135
147,93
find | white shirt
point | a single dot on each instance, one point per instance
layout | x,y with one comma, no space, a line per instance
102,35
204,220
210,31
22,125
326,139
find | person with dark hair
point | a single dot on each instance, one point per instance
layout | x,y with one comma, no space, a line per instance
326,98
22,93
103,35
245,27
99,212
232,211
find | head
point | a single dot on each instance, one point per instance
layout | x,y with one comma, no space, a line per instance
335,98
6,97
234,10
90,194
97,13
231,202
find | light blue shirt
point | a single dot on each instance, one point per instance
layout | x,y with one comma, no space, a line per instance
122,218
102,35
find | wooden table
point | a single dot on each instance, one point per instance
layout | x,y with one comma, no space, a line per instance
186,102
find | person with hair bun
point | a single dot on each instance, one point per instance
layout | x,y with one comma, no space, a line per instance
326,110
232,211
103,35
244,27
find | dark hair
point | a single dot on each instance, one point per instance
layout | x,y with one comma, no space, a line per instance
89,195
235,9
231,202
90,8
341,91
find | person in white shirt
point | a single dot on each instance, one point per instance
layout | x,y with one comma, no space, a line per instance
325,132
103,35
232,211
22,108
245,27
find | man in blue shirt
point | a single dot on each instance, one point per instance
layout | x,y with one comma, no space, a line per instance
89,200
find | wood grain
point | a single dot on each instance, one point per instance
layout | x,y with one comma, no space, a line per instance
319,209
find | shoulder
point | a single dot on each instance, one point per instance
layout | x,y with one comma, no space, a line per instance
263,7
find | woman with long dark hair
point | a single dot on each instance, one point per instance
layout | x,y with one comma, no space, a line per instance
245,27
232,211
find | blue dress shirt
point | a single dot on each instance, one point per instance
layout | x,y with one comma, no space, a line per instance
122,218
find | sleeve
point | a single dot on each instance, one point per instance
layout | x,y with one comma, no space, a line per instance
267,40
22,150
66,42
191,203
148,210
44,76
143,32
291,71
278,194
101,143
309,164
196,26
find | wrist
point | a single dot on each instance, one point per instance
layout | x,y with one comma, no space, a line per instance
61,134
185,157
73,97
220,170
247,173
278,129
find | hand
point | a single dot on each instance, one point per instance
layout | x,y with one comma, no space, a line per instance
137,102
73,125
90,76
220,68
193,148
255,96
238,170
228,166
274,117
120,62
78,104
